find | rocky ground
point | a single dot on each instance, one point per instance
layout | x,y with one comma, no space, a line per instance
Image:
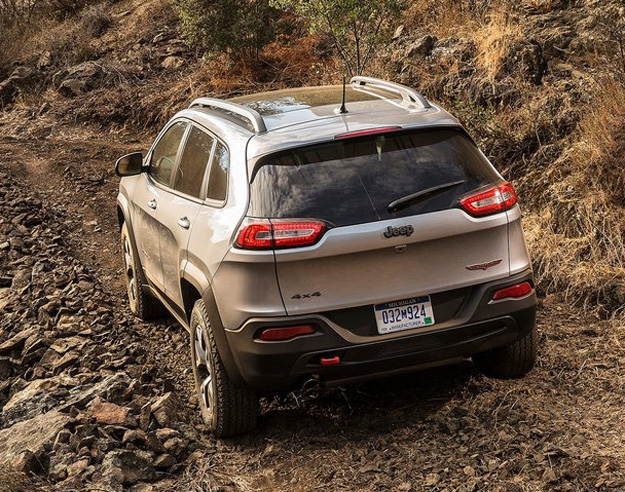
92,399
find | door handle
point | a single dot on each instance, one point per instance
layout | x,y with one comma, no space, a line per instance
184,223
152,204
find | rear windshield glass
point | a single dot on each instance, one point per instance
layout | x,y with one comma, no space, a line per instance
354,180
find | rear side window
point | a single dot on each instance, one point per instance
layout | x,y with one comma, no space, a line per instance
218,179
355,180
193,163
164,154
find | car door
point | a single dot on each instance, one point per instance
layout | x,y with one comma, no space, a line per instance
180,206
211,237
148,199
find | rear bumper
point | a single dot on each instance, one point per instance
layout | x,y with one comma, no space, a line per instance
478,325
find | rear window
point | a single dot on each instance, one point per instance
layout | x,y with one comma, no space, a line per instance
355,180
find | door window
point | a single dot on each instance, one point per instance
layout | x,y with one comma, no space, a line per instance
164,154
218,179
195,156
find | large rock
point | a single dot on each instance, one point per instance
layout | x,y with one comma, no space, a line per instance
78,79
128,467
422,47
34,435
40,395
36,398
72,87
20,79
111,414
16,341
165,410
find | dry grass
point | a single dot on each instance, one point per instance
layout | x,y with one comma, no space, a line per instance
577,234
444,18
494,41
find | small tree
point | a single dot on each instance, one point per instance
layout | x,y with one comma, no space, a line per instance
218,25
356,27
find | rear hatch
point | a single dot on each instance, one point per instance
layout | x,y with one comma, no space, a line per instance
393,224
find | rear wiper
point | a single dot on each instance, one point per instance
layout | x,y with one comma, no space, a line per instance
408,200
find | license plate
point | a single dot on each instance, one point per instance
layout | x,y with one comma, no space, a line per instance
404,315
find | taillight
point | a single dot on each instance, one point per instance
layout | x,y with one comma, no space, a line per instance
490,201
513,292
283,333
279,234
256,236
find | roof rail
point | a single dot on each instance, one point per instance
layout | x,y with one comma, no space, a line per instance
407,93
255,119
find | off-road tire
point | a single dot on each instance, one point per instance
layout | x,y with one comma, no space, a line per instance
510,361
142,303
234,406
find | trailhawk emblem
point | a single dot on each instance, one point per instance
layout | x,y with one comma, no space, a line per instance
398,231
484,266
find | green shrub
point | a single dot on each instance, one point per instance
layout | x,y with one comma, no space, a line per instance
242,27
356,27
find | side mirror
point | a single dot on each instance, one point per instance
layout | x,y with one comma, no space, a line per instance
129,165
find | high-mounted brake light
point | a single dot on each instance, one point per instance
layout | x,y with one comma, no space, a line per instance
490,201
370,131
283,333
513,292
280,234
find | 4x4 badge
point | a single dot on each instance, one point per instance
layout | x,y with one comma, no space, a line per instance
484,266
398,231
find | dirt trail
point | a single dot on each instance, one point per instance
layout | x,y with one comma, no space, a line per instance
561,428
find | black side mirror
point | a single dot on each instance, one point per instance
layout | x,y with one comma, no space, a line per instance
129,165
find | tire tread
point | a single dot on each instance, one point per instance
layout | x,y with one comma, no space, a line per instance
237,405
510,361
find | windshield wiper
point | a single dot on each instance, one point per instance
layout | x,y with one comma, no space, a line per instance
408,200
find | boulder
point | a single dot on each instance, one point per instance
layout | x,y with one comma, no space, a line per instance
111,414
20,79
72,87
128,467
422,47
34,435
165,410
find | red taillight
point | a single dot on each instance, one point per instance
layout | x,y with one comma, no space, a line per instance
280,234
369,131
256,236
490,201
514,291
284,333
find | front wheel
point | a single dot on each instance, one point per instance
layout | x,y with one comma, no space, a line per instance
510,361
227,407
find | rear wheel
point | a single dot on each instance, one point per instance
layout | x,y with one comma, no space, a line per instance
227,407
142,302
510,361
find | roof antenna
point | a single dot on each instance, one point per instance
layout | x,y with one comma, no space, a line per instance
343,109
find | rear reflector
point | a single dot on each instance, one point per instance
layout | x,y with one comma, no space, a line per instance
330,361
280,234
490,201
513,292
370,131
280,334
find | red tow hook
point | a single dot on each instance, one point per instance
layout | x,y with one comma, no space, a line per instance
330,361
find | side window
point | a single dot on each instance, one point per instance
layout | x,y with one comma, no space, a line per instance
195,156
218,179
164,154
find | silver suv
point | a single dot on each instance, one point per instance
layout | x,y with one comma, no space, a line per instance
335,233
